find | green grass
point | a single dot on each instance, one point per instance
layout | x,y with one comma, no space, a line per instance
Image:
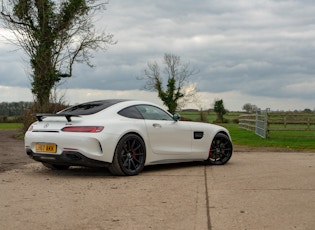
249,138
7,126
301,140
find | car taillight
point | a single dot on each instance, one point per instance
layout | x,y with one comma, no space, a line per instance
83,129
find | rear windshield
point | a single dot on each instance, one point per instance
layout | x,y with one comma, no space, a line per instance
90,107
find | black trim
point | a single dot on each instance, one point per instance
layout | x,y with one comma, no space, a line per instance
91,107
69,158
198,135
40,116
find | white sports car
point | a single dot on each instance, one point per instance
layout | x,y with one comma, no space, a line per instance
123,135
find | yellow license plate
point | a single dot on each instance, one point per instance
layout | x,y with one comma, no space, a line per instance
46,148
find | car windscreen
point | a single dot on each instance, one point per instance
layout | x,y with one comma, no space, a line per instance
89,108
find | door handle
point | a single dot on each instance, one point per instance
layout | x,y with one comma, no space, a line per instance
155,125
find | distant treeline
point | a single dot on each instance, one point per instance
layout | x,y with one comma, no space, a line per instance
8,109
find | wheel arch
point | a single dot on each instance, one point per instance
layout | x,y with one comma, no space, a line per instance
128,133
223,132
135,133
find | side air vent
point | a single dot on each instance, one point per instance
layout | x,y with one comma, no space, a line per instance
198,135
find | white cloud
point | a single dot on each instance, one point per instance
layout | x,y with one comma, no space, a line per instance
300,88
15,94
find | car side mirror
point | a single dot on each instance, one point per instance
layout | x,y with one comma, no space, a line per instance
176,117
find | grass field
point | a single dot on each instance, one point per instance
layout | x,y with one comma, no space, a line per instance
5,126
249,138
278,139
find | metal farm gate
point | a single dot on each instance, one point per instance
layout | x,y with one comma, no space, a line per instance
261,123
255,122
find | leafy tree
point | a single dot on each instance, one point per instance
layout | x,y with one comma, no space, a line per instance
219,109
14,108
307,110
176,75
54,34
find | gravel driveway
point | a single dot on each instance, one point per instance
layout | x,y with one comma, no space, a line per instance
255,190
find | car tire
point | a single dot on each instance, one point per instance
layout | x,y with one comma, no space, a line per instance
129,156
55,167
221,150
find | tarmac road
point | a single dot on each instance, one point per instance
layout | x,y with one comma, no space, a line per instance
255,190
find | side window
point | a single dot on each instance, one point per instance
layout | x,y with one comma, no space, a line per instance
149,112
130,112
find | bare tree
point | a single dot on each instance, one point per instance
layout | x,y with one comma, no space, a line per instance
54,34
177,76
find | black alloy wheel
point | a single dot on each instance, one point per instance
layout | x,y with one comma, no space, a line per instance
221,150
129,157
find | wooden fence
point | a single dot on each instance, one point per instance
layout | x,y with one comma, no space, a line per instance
264,122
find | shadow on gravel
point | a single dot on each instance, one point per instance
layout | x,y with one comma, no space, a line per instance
76,171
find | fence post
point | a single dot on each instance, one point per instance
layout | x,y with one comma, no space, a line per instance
266,123
257,131
308,123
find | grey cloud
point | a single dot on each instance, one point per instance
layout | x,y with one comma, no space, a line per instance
13,67
261,48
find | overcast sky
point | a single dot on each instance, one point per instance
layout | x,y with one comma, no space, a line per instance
247,51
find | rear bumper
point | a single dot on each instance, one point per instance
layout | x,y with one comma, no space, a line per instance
69,158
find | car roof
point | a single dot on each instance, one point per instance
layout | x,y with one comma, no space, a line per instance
93,107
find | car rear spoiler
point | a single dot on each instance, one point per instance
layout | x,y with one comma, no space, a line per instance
40,116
